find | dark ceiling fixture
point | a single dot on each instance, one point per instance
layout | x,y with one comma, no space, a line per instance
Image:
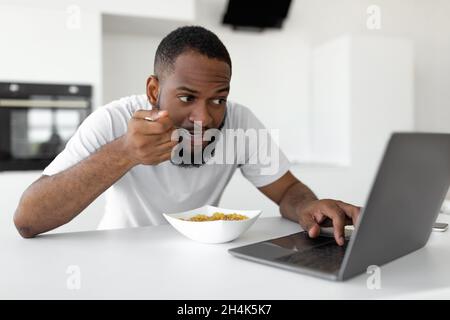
256,15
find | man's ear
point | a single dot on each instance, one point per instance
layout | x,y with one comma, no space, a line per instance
152,89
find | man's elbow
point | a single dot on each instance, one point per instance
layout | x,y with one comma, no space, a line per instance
24,228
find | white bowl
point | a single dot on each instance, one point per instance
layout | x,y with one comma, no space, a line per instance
218,231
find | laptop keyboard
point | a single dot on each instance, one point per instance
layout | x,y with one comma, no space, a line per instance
326,257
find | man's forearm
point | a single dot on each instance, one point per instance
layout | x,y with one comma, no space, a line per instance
55,200
294,198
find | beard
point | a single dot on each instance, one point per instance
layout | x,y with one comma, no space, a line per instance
194,163
195,158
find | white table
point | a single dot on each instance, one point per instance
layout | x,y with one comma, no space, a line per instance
159,263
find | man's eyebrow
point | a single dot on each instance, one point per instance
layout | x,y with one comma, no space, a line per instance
225,89
183,88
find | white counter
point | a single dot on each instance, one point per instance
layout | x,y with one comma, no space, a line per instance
159,263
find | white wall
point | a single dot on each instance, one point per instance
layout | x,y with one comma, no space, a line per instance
37,46
129,45
123,76
424,22
168,9
331,110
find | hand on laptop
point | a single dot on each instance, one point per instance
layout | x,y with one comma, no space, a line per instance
326,213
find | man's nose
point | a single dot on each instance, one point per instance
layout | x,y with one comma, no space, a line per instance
201,114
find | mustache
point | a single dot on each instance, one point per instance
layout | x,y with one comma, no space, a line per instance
203,129
196,128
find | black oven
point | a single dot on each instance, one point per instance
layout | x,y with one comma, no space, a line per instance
36,120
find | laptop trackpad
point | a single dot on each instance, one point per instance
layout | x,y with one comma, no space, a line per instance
299,241
263,250
276,248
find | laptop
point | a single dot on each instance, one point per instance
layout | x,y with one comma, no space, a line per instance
403,204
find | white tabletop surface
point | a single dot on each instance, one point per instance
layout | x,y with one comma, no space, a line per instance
159,263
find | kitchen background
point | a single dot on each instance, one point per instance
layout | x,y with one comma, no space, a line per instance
336,79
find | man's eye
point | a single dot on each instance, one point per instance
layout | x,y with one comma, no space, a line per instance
219,101
186,98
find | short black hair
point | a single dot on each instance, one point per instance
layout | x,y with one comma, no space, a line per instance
183,39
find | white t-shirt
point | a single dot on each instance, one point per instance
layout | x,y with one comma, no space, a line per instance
146,191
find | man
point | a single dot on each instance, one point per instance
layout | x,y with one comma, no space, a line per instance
126,148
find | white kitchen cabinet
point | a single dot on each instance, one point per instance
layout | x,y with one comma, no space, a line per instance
362,91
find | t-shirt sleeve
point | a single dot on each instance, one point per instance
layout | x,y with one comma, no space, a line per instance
265,162
94,132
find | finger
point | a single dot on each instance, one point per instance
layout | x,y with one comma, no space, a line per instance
166,123
166,147
160,121
146,141
166,137
165,157
310,225
153,114
319,217
350,210
161,126
337,215
144,127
